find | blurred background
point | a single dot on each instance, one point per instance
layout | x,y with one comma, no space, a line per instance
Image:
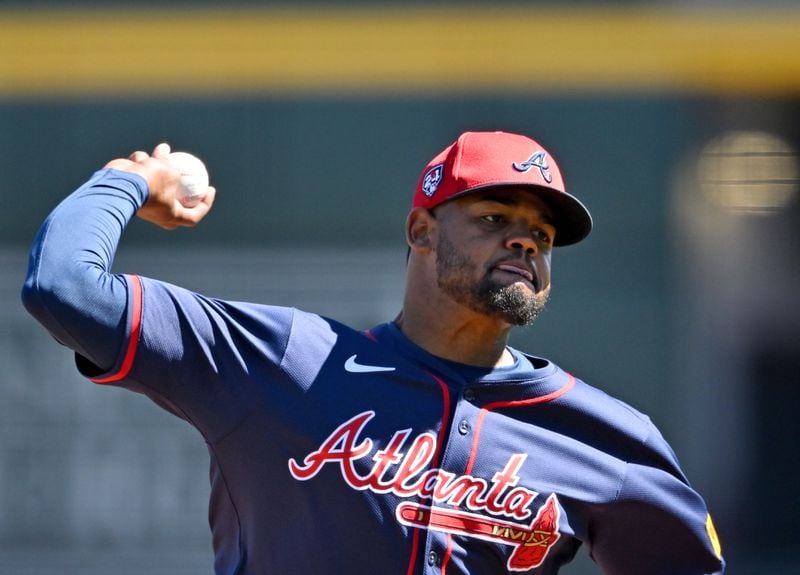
677,123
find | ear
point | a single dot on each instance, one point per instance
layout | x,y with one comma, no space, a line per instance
420,227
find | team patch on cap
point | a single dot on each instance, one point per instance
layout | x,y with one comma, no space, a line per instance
539,161
432,179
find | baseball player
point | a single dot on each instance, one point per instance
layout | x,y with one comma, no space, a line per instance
424,445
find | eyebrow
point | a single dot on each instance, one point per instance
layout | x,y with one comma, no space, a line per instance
511,202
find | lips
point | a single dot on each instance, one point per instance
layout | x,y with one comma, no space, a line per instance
520,270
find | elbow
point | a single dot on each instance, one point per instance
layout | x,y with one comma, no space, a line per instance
41,279
31,295
38,297
48,296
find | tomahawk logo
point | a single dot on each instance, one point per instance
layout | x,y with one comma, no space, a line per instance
457,504
531,543
539,161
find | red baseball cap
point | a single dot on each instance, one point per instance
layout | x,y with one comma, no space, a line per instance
480,160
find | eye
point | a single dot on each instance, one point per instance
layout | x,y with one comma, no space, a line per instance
493,218
543,236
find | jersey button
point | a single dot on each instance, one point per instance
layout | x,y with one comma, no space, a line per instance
464,427
469,394
433,558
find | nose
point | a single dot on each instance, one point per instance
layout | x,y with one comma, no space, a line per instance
521,239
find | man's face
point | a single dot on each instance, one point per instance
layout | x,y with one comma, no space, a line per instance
493,253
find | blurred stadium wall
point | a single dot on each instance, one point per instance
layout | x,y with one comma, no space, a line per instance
677,123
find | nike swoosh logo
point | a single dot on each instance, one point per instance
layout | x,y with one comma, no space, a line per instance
353,367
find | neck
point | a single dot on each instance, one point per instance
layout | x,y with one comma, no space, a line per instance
448,330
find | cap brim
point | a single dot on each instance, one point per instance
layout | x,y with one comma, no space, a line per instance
571,218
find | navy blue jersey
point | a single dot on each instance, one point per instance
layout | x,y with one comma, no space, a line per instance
339,451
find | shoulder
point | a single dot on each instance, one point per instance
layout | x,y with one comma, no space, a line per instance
607,408
613,426
594,404
644,443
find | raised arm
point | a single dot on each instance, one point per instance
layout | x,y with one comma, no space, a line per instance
69,287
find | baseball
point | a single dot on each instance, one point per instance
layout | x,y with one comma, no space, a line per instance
194,177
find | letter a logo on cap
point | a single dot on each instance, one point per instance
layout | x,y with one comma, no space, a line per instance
539,161
432,179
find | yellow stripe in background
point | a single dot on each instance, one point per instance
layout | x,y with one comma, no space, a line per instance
397,51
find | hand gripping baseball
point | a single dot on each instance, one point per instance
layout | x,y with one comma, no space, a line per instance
163,206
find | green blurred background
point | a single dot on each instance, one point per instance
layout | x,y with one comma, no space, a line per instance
675,122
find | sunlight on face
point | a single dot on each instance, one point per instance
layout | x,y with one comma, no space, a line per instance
469,285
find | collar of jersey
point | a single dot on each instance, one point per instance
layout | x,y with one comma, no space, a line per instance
523,370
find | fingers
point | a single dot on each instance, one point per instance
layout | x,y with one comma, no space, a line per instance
161,151
119,164
139,156
163,207
191,216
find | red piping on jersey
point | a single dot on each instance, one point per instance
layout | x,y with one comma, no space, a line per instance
370,335
434,462
476,438
448,552
133,338
515,403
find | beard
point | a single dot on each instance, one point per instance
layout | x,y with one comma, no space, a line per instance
455,274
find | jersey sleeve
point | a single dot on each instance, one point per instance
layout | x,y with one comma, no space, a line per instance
658,524
69,288
203,359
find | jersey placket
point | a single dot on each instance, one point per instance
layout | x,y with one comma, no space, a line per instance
456,455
